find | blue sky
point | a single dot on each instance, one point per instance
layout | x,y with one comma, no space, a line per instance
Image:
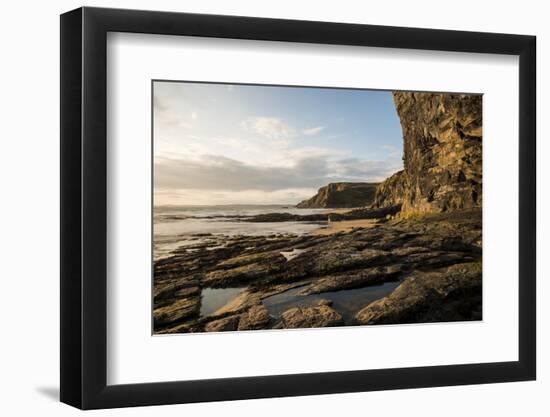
241,144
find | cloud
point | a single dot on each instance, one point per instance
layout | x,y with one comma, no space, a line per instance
194,115
269,127
356,169
312,131
219,173
166,117
213,172
213,197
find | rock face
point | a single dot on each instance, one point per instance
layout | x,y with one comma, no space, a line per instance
442,135
391,192
342,195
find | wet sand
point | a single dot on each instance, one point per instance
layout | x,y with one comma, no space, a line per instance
340,210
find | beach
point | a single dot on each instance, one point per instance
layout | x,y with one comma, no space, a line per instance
235,268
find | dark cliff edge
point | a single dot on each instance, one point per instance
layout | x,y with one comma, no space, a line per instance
442,139
342,195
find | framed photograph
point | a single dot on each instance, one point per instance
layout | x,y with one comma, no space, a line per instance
256,208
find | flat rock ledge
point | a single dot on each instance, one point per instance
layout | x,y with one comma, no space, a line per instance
448,294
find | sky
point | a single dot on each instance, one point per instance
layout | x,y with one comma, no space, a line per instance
220,144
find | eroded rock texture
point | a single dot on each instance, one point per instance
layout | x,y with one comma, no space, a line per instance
320,315
442,153
391,192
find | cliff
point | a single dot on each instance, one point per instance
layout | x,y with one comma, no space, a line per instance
392,191
442,137
342,195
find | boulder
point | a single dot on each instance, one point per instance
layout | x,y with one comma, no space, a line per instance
315,316
257,317
223,325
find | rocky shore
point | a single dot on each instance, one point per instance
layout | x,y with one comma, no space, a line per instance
354,214
424,237
436,259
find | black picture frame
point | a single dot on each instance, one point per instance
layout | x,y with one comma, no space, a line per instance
84,207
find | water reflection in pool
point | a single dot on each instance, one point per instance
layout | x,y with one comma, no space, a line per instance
214,298
346,302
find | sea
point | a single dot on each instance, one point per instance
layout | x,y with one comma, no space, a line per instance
178,226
